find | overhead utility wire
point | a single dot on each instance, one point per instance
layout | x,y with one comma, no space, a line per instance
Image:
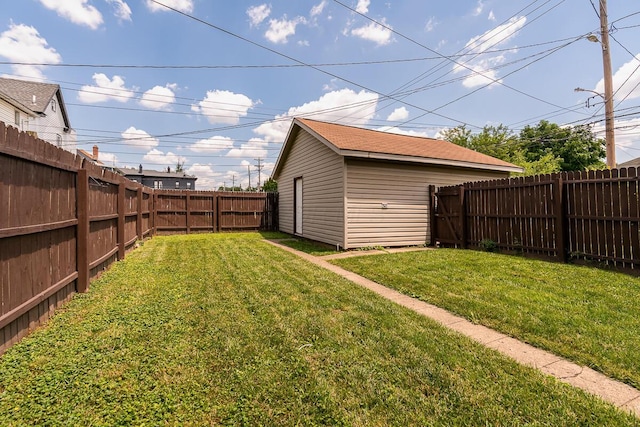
291,58
492,80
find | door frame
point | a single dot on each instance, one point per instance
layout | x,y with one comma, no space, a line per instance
297,222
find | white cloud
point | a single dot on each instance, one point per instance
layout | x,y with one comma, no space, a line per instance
631,88
317,9
212,145
479,8
492,16
105,89
207,177
121,9
76,11
221,106
158,157
281,29
431,24
159,97
256,147
108,159
482,66
185,6
374,32
399,131
139,138
340,106
626,135
363,6
257,14
22,43
398,114
303,43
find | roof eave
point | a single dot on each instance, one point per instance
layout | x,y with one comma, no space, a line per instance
429,160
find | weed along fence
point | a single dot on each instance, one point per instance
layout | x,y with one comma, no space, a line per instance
591,215
64,220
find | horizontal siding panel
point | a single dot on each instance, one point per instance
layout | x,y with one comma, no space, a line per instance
323,204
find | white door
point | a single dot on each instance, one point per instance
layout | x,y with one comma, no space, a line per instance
297,200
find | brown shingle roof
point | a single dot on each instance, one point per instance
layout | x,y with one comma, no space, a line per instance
353,139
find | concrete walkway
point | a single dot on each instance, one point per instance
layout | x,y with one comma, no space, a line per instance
619,394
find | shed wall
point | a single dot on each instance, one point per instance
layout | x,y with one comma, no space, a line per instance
322,172
404,189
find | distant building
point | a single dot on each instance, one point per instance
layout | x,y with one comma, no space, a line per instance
159,180
38,109
634,163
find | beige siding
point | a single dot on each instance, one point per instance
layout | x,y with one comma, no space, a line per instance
404,189
323,202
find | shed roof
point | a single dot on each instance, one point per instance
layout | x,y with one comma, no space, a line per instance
633,163
352,141
32,97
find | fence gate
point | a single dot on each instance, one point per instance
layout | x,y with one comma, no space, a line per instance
448,220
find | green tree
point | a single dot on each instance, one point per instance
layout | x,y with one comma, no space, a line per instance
544,148
577,147
270,185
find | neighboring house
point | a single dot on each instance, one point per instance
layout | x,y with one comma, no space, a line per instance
94,157
634,163
160,179
38,109
354,187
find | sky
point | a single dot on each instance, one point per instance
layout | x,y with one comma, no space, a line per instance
215,84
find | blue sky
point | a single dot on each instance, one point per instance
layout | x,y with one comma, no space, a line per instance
214,84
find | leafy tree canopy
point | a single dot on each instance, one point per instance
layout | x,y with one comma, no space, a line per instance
544,148
270,185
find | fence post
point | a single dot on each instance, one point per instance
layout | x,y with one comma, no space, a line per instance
463,218
561,218
217,202
82,236
432,214
121,218
153,214
139,229
188,214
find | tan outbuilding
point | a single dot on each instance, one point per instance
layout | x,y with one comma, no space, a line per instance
354,187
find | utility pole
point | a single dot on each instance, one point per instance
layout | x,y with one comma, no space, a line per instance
608,86
233,180
259,166
249,172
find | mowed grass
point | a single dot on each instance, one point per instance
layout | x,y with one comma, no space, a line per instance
588,315
228,330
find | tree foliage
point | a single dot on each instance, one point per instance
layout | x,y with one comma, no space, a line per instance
544,148
270,185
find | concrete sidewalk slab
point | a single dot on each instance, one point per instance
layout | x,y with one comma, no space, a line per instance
615,392
354,253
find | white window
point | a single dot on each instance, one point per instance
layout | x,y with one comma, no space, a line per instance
155,185
17,118
159,184
177,184
188,185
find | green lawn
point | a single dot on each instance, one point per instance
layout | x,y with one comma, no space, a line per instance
228,330
588,315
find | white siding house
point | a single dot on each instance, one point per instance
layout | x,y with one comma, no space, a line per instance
359,188
37,108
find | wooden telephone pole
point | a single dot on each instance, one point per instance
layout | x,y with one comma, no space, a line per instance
608,86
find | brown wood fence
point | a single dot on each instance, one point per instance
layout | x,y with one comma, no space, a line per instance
64,220
591,215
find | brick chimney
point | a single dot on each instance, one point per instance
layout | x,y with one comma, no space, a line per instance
95,152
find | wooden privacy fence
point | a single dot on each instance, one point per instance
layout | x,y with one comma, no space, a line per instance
64,220
591,215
